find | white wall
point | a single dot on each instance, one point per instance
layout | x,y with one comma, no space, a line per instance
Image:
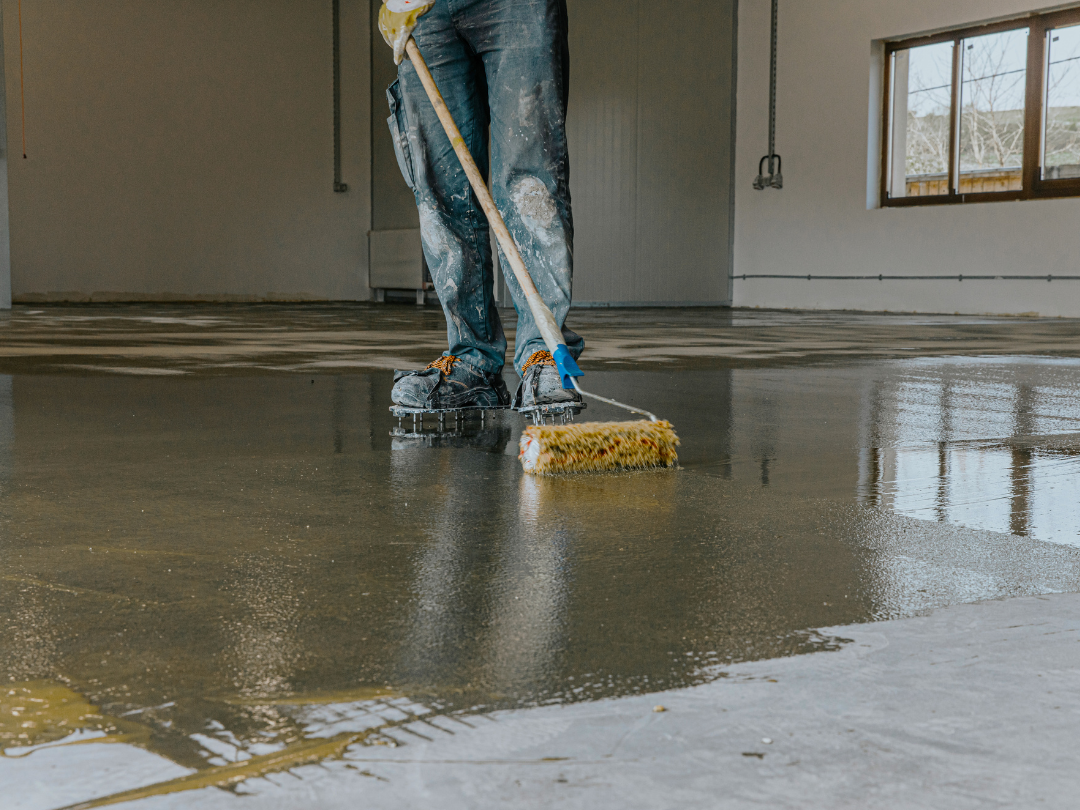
184,150
819,222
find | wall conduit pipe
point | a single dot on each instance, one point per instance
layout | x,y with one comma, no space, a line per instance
884,277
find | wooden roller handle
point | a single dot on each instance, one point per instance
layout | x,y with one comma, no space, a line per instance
545,321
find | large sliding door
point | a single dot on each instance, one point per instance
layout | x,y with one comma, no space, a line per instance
651,144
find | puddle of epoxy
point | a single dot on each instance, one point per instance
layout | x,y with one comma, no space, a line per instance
262,555
35,714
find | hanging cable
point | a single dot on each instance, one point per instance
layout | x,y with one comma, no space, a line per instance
22,84
774,179
339,186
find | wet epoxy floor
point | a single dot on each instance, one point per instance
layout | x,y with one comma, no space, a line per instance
230,563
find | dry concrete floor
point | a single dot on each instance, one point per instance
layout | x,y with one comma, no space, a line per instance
218,560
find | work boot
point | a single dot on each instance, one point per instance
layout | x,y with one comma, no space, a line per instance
541,383
449,383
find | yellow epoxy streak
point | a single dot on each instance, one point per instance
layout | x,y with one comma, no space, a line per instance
294,756
36,713
76,591
96,549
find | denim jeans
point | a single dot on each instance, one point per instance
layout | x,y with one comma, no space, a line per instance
502,66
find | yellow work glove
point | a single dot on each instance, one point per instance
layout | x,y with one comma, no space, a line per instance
397,19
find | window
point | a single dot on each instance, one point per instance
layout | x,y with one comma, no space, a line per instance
985,113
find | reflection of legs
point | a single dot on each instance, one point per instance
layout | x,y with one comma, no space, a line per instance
453,228
529,615
449,614
486,613
524,50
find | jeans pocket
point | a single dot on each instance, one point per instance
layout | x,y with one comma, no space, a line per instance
399,127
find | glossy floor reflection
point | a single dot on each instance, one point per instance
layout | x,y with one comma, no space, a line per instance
229,565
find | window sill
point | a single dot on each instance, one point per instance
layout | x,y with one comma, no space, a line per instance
1047,192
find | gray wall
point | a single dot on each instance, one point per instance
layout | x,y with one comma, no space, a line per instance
184,149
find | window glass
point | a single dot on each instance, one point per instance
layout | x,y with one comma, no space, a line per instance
921,103
1061,126
992,89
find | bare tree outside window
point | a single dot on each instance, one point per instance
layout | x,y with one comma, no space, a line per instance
1061,135
922,93
929,101
994,79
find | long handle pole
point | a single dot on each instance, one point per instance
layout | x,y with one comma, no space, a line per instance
545,321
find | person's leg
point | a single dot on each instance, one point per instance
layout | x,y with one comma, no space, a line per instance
524,50
453,228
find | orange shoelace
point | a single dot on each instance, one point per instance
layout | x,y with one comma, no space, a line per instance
541,358
445,363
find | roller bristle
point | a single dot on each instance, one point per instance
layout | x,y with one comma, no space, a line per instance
598,446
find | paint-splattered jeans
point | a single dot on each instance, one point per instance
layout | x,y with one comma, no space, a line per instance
502,62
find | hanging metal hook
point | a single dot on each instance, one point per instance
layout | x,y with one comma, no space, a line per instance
774,179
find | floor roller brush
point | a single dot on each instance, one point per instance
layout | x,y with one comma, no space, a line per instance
546,449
